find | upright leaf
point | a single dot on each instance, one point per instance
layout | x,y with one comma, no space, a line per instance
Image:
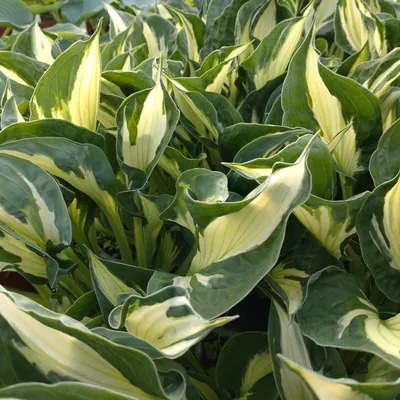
75,97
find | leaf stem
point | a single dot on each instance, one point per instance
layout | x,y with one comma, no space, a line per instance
139,242
347,190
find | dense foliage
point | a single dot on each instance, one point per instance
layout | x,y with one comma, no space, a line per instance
203,196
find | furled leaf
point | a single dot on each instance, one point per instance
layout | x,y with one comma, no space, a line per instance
53,348
344,389
22,72
378,232
337,313
146,121
36,44
272,56
331,222
316,98
247,372
83,166
75,97
165,319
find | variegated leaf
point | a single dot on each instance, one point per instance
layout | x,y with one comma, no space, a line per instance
377,227
52,348
83,166
331,222
355,25
319,99
247,372
341,389
75,97
337,313
165,319
272,56
146,121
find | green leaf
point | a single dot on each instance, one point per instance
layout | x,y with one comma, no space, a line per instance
146,121
62,391
244,366
85,167
23,72
331,222
15,14
272,56
81,10
52,347
165,319
378,232
75,97
285,338
231,239
289,278
36,44
355,25
337,313
110,279
32,205
385,163
311,89
119,20
344,389
50,128
10,114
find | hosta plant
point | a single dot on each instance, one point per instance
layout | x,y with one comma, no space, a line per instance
203,198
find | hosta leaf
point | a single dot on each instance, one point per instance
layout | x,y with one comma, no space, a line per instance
235,138
28,260
343,389
81,10
75,97
290,276
146,121
129,81
331,222
265,19
248,371
316,98
110,279
119,20
166,319
67,31
355,25
216,67
62,391
52,347
117,46
23,72
384,74
31,204
337,313
271,58
83,166
193,28
50,128
220,269
15,13
389,103
285,338
10,114
36,44
378,232
322,13
159,34
385,163
319,160
220,24
198,111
